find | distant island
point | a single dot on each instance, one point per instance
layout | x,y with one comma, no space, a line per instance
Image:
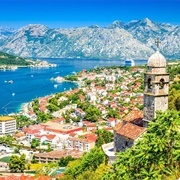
8,61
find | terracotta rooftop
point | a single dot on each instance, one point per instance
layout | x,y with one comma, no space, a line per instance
134,115
118,126
24,177
19,134
43,178
12,177
57,120
59,154
60,128
130,131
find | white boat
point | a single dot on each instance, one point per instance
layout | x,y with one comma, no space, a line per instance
129,62
10,82
13,94
55,85
74,72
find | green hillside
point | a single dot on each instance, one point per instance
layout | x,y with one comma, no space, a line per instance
8,59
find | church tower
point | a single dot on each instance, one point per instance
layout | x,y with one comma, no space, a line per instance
156,85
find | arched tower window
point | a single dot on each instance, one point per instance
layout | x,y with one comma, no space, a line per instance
161,83
149,83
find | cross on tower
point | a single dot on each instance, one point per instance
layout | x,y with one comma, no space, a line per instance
157,43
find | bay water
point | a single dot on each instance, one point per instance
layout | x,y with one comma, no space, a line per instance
30,83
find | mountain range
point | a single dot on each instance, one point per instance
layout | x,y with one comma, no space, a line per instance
119,40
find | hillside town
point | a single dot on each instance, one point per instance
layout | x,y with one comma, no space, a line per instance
114,92
106,111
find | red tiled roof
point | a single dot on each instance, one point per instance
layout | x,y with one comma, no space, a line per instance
31,131
86,122
108,128
26,177
59,175
58,119
19,134
90,137
60,153
43,178
133,116
48,136
111,119
72,134
130,131
118,126
91,125
12,177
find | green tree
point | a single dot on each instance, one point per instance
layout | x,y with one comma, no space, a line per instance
89,162
17,164
52,108
104,137
156,155
22,121
114,113
92,113
177,103
35,143
65,160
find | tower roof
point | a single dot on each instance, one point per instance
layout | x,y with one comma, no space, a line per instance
157,60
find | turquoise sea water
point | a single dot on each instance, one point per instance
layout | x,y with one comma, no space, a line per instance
30,83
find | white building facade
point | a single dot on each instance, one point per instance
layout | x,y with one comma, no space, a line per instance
7,125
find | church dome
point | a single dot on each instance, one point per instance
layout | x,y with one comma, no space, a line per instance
157,60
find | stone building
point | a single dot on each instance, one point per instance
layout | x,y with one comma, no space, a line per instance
156,83
128,130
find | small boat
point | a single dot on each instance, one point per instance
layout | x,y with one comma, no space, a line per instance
10,82
55,85
32,75
74,72
13,94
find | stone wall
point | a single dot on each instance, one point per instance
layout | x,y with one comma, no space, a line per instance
121,142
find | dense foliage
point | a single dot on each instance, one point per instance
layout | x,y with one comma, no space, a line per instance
155,156
35,143
65,160
17,163
89,162
174,90
23,121
104,137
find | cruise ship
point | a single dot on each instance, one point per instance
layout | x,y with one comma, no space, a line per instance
129,62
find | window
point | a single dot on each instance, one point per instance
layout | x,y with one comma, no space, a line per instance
126,143
161,83
149,83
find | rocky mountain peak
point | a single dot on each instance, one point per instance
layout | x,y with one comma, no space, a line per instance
119,40
117,24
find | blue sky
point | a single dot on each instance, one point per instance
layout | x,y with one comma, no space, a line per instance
79,13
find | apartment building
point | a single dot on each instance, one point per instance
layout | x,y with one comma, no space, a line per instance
7,125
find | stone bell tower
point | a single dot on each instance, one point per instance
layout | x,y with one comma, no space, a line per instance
156,81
